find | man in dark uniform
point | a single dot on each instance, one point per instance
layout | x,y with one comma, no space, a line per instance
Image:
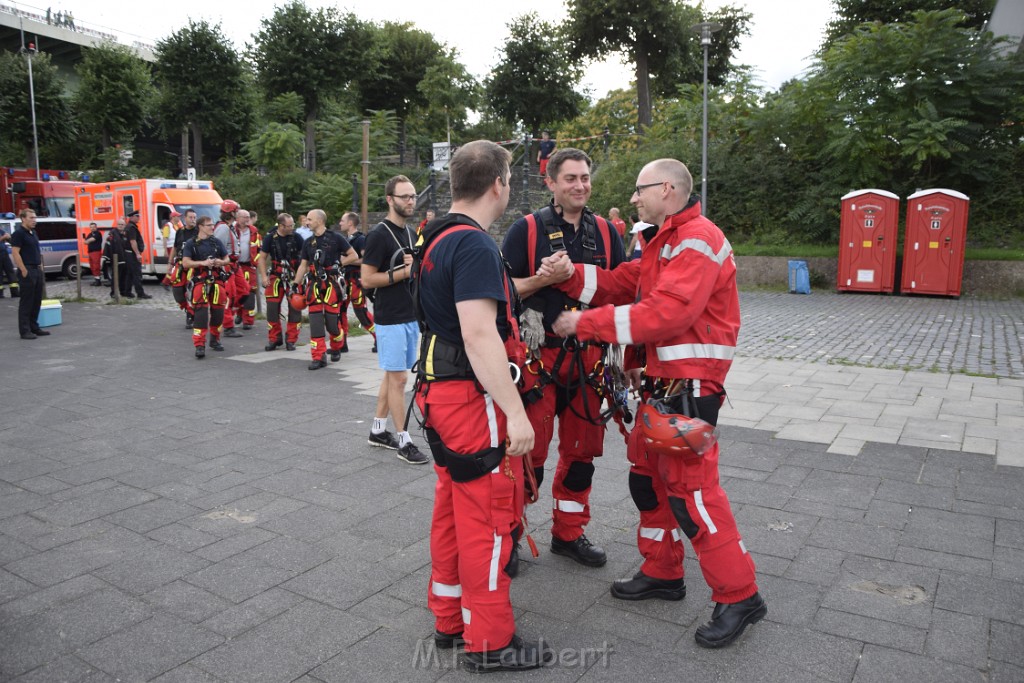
476,425
176,275
279,258
8,276
562,376
29,262
205,258
133,255
114,250
322,257
356,296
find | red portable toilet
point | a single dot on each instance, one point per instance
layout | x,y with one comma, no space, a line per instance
867,241
933,247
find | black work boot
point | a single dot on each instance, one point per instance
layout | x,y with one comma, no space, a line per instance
729,620
446,641
289,346
512,568
643,587
216,345
273,345
317,364
232,332
518,655
581,550
200,352
335,356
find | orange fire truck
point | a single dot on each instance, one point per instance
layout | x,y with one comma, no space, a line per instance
53,195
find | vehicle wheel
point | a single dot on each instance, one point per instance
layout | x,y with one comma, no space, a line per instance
69,269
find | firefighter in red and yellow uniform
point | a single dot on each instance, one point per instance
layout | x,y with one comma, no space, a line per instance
205,259
356,297
176,276
237,239
475,422
322,257
680,305
278,260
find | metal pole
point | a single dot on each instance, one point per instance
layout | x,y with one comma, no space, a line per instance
366,171
32,100
78,274
116,284
704,141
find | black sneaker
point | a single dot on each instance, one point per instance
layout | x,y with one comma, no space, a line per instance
272,345
446,641
729,621
216,345
288,346
200,352
232,332
412,455
643,587
581,550
383,440
317,364
335,356
518,655
145,296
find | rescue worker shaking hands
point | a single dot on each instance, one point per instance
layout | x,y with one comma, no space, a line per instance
677,308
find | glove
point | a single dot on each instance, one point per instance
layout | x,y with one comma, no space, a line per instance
532,329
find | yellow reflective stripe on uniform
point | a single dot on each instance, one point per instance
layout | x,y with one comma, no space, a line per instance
691,351
429,365
623,329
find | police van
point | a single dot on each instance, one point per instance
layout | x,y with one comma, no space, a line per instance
58,242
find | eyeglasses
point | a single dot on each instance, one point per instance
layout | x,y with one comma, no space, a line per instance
404,197
641,188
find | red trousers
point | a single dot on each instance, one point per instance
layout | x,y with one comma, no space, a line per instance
208,299
358,301
275,292
324,300
241,292
471,530
94,264
702,513
579,442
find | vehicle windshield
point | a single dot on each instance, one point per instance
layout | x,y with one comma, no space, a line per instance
211,210
59,207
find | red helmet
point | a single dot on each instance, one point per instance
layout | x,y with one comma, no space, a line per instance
297,301
670,433
228,206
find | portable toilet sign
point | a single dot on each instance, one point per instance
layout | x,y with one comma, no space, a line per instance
867,241
934,242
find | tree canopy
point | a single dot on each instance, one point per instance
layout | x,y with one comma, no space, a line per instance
115,92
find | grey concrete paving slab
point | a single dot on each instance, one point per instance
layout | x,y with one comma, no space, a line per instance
264,547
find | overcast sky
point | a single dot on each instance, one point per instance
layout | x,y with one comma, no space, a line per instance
783,34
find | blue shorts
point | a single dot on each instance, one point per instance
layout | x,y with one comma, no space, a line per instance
398,346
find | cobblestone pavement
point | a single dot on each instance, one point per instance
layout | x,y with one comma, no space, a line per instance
172,520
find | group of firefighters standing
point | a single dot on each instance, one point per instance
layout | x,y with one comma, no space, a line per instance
556,325
215,271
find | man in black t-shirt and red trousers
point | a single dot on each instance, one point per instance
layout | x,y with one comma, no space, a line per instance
205,258
322,257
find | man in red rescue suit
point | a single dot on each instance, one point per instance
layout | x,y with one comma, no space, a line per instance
278,261
356,296
562,379
237,239
679,305
205,259
176,275
475,423
322,257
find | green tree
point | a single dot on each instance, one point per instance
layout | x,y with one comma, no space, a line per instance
314,54
55,123
655,36
285,108
341,139
450,92
204,87
849,14
278,147
533,83
115,92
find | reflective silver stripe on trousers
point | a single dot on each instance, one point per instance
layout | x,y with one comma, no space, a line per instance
492,420
589,283
651,533
690,351
466,616
623,331
446,590
568,506
492,576
698,500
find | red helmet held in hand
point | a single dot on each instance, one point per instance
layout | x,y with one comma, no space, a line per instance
228,206
670,433
297,300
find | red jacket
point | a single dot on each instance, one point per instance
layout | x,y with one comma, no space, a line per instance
679,300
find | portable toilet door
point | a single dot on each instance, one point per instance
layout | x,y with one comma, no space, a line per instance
933,247
868,230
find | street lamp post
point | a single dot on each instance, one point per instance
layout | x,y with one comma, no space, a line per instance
705,29
29,53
